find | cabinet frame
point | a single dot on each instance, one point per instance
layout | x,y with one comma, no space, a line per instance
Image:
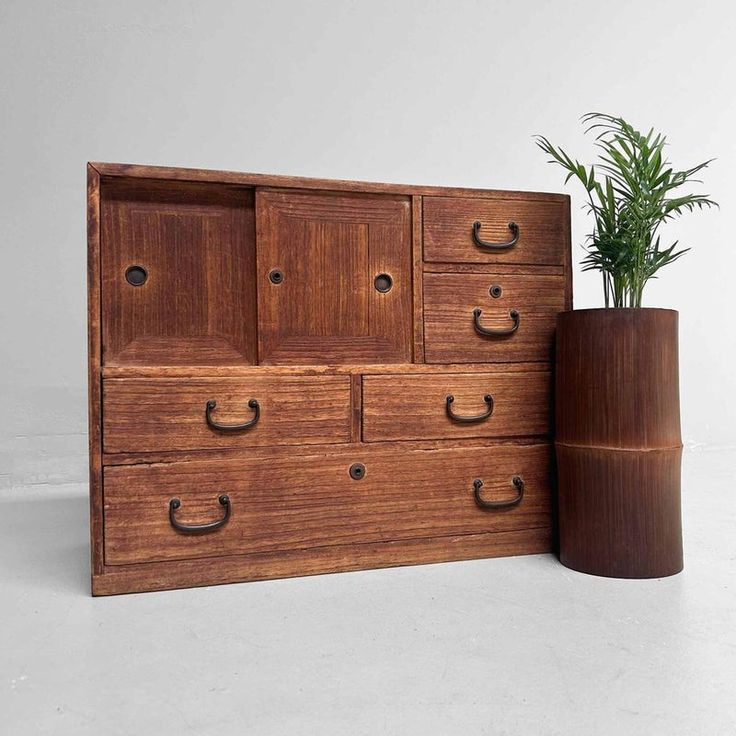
157,576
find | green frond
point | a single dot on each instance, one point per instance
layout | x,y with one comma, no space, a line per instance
631,192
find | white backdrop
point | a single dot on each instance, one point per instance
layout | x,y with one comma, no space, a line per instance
423,92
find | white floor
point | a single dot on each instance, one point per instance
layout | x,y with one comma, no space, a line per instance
510,646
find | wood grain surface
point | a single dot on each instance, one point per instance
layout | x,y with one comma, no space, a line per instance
618,442
619,511
448,230
618,378
330,248
403,407
94,372
267,452
141,577
169,414
197,244
417,282
307,501
179,174
337,367
198,371
449,301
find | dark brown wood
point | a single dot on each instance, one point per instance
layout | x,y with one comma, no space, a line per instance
178,174
330,248
417,282
308,370
94,363
356,407
401,407
266,453
448,230
334,364
196,242
618,442
567,261
308,501
165,414
619,511
449,301
618,379
499,268
164,575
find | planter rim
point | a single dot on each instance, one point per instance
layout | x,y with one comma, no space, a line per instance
618,309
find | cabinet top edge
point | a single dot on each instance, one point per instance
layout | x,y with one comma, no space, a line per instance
174,173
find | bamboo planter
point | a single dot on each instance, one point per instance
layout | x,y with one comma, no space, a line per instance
618,442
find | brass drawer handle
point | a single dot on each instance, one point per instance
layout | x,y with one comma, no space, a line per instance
495,246
175,505
212,404
494,331
469,419
518,482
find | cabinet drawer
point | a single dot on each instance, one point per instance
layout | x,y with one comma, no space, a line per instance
161,414
415,407
459,310
540,232
288,502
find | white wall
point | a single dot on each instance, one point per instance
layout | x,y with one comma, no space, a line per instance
422,92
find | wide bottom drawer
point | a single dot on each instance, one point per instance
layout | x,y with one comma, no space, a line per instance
353,495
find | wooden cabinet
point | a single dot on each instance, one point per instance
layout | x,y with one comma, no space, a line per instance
291,376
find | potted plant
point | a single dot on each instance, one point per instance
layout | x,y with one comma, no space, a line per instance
617,417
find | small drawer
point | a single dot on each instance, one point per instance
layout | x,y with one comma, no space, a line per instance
521,231
166,414
456,405
215,508
490,318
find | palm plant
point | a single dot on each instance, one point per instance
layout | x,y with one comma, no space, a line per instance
631,193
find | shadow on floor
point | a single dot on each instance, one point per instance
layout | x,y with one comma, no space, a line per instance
44,540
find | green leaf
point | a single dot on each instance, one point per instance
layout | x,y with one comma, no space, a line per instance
631,192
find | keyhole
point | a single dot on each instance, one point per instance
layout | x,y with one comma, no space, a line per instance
357,471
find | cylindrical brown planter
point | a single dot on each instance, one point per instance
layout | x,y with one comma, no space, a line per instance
618,442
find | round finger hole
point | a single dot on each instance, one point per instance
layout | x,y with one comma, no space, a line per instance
136,275
383,283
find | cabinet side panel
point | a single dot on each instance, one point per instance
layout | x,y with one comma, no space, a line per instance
94,362
568,255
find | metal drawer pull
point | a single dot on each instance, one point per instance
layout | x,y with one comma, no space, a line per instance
474,418
495,331
174,506
518,482
495,246
210,406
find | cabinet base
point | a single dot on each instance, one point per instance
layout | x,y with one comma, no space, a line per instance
143,577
